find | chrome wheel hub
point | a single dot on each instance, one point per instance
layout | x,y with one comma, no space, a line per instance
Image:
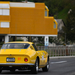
48,65
37,66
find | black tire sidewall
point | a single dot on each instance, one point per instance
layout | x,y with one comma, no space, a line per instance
45,69
33,70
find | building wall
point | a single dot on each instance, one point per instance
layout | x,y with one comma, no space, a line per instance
28,20
4,18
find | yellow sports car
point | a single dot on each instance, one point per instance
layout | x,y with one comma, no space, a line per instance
23,56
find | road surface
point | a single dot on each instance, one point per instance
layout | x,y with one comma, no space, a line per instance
64,66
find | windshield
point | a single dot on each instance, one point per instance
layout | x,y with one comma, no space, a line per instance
15,46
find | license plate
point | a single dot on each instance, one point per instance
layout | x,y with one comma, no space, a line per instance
10,59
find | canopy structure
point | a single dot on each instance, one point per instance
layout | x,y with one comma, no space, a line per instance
26,19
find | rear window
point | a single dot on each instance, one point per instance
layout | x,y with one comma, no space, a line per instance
34,47
15,46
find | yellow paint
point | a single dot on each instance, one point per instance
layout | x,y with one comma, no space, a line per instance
20,54
4,2
0,24
4,18
4,30
29,21
55,22
23,7
46,8
47,13
4,21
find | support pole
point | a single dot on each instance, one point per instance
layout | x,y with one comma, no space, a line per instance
46,41
30,39
6,38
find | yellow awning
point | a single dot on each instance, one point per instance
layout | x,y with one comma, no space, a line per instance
4,2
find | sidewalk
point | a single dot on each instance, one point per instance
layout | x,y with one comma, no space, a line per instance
58,57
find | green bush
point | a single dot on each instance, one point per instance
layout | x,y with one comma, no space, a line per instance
39,44
19,40
1,43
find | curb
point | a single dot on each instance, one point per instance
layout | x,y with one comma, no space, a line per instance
58,57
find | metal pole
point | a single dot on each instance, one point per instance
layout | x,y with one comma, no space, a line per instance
65,38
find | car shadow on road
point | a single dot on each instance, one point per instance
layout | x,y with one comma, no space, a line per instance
20,72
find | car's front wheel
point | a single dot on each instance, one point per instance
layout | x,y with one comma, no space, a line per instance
46,68
35,67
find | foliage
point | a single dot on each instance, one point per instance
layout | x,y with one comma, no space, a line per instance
39,44
19,40
41,40
69,28
1,43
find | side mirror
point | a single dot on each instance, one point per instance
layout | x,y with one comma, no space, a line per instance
31,47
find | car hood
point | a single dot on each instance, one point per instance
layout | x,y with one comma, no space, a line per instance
14,51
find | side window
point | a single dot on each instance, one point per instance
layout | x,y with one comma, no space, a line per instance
26,46
46,11
55,26
4,9
34,47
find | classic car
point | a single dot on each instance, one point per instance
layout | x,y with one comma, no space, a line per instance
23,56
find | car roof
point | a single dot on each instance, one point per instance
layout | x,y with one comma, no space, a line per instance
20,42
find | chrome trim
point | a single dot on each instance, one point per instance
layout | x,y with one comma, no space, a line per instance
16,64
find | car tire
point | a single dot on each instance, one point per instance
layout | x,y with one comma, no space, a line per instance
35,68
46,68
0,71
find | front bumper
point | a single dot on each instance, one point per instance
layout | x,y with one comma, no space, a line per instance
20,64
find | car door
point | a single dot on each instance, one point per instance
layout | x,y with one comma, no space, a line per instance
43,57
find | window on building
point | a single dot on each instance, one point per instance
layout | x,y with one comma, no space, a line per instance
5,25
55,26
0,11
4,5
46,11
4,9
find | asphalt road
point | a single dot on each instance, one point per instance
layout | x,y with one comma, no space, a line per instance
64,66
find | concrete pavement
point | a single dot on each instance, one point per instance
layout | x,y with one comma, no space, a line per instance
58,57
64,66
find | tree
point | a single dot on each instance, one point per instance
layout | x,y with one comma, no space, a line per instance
69,28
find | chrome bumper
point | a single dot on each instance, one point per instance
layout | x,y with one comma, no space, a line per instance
10,64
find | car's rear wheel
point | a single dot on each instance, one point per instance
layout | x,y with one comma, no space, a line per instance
46,68
35,68
0,71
